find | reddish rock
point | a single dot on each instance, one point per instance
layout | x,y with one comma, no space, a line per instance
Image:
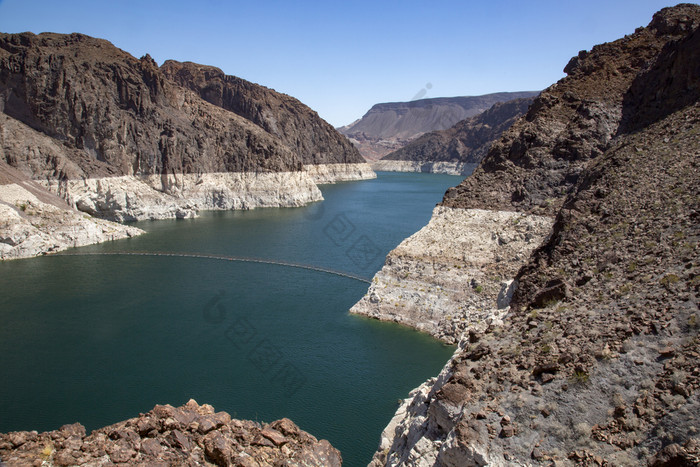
135,442
275,436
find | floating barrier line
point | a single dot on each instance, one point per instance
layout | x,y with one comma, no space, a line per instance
239,259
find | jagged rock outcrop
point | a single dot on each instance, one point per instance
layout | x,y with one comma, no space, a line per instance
458,149
389,126
191,435
595,362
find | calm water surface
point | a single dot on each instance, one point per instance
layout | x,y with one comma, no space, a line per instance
98,339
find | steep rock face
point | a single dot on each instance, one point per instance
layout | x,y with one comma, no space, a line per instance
595,363
468,141
389,126
123,112
191,435
538,161
300,128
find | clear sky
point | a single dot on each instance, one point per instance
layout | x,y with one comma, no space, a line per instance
340,58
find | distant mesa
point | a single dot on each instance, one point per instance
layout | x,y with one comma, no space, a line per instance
390,126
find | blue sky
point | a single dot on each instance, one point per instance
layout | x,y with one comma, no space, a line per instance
340,58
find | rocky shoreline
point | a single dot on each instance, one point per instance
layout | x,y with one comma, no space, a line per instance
30,226
438,167
455,273
333,173
80,211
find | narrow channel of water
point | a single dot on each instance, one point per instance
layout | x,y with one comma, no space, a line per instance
98,339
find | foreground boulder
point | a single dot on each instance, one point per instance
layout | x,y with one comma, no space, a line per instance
190,435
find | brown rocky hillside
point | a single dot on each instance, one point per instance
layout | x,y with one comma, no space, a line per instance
299,127
130,118
538,161
596,363
389,126
468,140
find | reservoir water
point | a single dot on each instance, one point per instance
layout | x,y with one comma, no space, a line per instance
99,338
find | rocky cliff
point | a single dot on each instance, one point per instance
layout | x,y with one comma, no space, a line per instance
389,126
295,124
458,149
592,361
191,435
122,139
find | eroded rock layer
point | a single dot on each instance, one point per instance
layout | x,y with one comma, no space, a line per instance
332,173
448,168
449,276
130,198
30,226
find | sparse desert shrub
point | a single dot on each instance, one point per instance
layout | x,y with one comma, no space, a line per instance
580,376
582,431
669,279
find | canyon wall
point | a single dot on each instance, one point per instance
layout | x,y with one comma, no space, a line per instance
390,126
591,361
122,139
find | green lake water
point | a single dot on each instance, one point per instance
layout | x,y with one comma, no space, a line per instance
97,339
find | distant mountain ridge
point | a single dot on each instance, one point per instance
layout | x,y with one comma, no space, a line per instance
459,148
389,126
